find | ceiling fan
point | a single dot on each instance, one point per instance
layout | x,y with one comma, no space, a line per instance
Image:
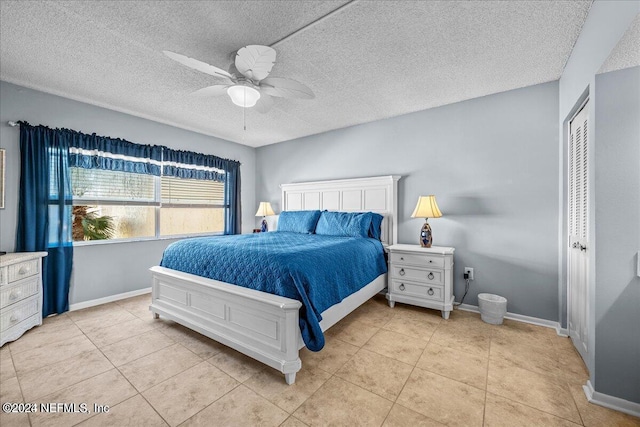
247,82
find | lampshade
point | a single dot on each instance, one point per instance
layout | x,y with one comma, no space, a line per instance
426,208
243,96
265,209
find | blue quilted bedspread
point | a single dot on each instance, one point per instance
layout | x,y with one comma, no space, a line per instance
318,271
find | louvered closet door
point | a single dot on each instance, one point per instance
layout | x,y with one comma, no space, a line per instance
578,232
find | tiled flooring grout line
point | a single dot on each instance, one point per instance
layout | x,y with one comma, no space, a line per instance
19,384
413,368
579,413
85,379
194,415
568,379
52,342
202,360
486,385
525,404
126,379
175,342
332,375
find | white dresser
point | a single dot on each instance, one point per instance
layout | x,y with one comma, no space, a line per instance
421,276
20,294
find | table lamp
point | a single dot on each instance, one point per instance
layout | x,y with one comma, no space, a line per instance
426,208
263,210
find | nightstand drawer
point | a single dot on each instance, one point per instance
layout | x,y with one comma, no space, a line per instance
418,290
21,290
402,272
423,260
23,269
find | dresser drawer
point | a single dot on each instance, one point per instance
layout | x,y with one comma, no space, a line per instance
429,292
22,269
18,312
15,331
19,291
402,272
423,260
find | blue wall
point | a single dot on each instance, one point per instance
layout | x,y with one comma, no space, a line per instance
617,233
492,163
103,270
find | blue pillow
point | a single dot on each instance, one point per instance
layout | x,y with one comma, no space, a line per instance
298,221
348,224
376,224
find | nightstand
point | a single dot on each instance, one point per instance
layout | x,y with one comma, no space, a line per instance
421,276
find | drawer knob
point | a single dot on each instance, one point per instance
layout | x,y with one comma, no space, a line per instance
14,295
401,272
431,276
430,291
430,261
23,270
401,258
13,318
401,287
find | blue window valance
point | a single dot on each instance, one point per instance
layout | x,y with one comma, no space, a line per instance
100,152
190,165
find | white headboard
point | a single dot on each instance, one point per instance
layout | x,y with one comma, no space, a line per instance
376,194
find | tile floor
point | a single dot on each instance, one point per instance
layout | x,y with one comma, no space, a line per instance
393,367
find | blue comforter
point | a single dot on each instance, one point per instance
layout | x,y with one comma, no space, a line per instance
318,271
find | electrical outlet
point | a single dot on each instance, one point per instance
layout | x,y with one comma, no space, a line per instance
469,271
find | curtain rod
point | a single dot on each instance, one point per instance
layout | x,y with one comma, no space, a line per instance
13,124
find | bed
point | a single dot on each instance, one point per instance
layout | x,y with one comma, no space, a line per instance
262,325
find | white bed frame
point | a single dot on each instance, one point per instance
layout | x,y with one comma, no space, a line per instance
265,326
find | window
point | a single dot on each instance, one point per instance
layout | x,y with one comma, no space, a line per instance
123,205
191,206
104,188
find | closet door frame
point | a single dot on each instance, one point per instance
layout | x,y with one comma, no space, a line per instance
577,237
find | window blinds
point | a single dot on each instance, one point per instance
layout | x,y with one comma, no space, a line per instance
191,192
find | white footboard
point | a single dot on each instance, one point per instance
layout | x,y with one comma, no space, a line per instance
260,325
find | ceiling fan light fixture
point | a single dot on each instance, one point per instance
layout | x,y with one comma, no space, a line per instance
243,96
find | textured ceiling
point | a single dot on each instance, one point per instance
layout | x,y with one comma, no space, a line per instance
367,61
627,52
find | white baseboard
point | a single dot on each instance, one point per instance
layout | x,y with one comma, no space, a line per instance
111,298
521,318
611,402
468,307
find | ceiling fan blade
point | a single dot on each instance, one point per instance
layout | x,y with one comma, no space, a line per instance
264,104
285,88
197,65
255,61
215,90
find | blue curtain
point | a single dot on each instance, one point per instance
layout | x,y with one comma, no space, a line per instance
45,207
233,211
101,152
44,210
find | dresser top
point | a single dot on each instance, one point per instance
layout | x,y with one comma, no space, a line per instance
444,250
16,257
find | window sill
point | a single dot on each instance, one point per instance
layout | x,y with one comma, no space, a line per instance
142,239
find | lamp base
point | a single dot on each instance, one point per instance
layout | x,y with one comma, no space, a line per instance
263,227
426,238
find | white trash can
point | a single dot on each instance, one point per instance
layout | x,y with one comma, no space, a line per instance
492,308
